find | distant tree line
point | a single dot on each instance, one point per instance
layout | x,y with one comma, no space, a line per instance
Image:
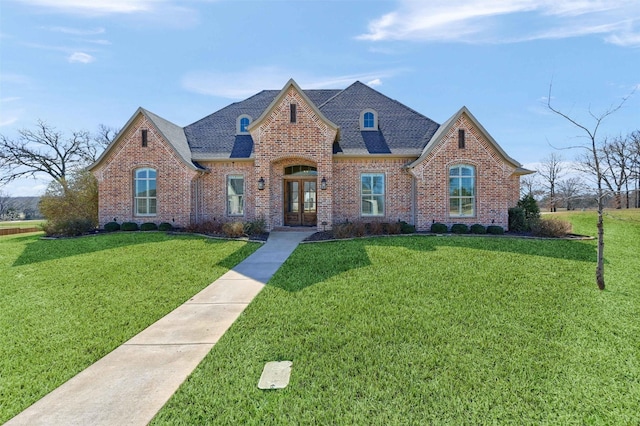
19,208
571,185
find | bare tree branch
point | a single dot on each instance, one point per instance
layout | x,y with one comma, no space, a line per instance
45,150
595,165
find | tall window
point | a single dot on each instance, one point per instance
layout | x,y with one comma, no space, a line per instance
462,191
145,192
235,195
293,116
368,120
242,123
372,194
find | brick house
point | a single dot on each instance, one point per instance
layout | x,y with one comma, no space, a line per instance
308,158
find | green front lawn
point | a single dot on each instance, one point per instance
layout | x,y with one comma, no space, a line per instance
420,330
67,303
21,224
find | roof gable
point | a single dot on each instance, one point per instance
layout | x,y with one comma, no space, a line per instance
171,133
278,98
439,136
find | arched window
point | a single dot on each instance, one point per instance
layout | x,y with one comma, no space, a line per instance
145,198
462,191
243,122
368,120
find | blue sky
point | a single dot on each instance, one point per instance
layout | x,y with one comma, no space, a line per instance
80,63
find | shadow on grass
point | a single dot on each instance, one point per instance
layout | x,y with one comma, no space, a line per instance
42,250
343,256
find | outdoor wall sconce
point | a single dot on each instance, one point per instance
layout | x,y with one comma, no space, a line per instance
261,183
323,184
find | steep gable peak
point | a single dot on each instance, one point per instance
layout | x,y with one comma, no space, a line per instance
291,84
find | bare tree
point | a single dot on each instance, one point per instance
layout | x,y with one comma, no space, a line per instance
569,190
45,150
5,203
551,171
634,174
617,155
529,185
591,134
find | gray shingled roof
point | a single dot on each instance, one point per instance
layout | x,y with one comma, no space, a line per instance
174,134
401,129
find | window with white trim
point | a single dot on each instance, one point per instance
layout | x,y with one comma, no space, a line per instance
372,194
242,123
462,191
235,195
145,196
368,120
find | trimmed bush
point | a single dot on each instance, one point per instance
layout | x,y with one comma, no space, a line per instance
255,227
551,227
459,228
165,226
349,230
439,228
478,229
517,220
495,230
406,228
148,226
208,227
129,226
394,228
112,226
375,228
233,229
69,228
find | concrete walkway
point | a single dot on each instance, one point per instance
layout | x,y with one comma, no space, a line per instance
132,383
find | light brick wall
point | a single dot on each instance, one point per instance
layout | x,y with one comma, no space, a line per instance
278,143
212,191
398,189
496,187
116,171
186,196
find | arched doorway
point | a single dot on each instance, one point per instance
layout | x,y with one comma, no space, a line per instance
300,195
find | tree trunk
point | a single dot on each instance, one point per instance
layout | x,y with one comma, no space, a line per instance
600,267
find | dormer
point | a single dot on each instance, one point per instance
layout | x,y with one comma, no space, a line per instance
368,120
242,123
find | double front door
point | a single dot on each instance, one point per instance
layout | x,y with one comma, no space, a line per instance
300,198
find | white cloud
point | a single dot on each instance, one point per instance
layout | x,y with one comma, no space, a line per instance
97,7
80,57
625,39
375,82
241,84
507,21
77,31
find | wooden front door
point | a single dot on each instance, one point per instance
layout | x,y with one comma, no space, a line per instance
300,202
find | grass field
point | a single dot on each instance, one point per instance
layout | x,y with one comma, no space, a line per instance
21,224
67,303
421,330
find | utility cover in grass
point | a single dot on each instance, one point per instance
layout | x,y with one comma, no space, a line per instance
275,375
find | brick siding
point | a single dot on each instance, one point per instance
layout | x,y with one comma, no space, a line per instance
497,188
418,196
115,178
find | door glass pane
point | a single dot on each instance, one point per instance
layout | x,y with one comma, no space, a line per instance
309,197
294,205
